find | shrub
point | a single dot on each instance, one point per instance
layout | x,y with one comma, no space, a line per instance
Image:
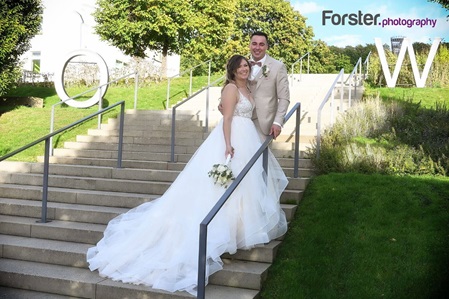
388,138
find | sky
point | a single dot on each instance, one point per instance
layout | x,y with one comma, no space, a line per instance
419,20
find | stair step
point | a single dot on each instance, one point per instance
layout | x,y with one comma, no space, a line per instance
82,283
73,254
286,163
142,140
94,197
76,196
120,180
87,233
86,190
13,293
44,251
79,213
241,274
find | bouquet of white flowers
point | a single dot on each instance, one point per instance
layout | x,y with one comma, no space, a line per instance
222,173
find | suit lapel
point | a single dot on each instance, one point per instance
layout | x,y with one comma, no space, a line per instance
259,77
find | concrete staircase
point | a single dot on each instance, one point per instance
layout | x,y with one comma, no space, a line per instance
307,89
47,260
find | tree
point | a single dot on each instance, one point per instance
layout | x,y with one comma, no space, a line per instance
322,59
20,21
444,3
213,24
166,26
289,37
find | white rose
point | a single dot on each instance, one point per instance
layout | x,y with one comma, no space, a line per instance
221,168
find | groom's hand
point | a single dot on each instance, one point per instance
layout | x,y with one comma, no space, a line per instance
275,131
220,108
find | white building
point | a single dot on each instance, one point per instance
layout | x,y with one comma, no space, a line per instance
68,26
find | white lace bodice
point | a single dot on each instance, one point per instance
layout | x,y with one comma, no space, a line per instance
244,107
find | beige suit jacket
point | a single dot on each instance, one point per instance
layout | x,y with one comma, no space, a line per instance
271,94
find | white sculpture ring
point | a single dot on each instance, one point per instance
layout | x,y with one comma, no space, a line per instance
104,78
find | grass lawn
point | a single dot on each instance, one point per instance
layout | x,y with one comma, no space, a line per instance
428,97
21,125
366,236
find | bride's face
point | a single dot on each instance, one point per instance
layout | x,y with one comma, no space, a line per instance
242,71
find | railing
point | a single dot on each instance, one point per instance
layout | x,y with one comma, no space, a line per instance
300,68
191,76
173,121
354,78
366,64
47,150
330,94
100,102
201,287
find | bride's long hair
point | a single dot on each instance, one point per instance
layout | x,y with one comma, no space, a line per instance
232,66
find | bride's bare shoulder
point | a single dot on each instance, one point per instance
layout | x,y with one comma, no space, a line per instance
230,86
230,91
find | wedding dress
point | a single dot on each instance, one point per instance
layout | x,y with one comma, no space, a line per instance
156,243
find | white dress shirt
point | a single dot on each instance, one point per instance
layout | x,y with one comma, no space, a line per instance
255,69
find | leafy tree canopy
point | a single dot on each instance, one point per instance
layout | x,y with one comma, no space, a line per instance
444,3
166,26
19,22
200,30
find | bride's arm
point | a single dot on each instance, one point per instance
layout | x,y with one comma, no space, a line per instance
229,97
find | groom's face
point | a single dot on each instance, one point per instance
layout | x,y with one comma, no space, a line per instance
258,46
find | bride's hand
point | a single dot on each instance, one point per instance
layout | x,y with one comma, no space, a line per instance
229,151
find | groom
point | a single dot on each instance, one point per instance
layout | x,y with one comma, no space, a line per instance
269,87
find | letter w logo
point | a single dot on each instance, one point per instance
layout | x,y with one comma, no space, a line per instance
406,45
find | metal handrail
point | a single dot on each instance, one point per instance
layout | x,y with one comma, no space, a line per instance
47,150
351,76
100,102
173,121
300,68
191,76
201,285
326,98
366,63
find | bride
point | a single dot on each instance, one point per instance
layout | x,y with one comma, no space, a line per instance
156,243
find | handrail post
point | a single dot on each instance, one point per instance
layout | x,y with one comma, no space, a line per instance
350,93
45,181
265,160
173,124
298,123
208,77
136,87
168,94
342,91
120,135
190,87
206,128
52,121
201,287
100,106
308,62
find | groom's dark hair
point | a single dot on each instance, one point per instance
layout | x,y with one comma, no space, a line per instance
260,33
